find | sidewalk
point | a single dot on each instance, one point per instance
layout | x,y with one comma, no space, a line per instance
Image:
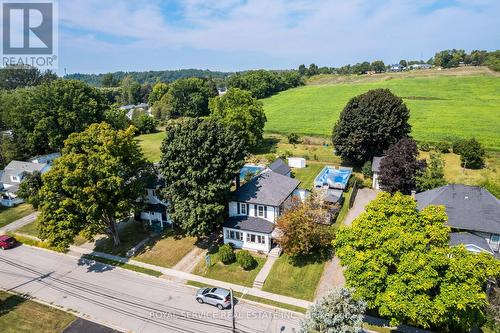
19,223
187,276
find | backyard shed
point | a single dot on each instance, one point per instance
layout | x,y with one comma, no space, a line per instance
297,162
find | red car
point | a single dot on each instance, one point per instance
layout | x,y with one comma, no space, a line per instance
7,242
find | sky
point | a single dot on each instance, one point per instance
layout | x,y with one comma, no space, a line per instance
98,36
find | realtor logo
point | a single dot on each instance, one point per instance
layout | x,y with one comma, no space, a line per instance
29,33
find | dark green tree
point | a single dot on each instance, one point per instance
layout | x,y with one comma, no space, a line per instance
242,112
13,77
130,91
200,158
369,124
95,183
29,187
433,176
42,117
143,122
400,167
108,80
378,66
472,154
186,98
159,90
117,118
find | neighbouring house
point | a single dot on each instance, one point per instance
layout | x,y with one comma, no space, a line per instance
473,214
139,107
420,66
11,178
279,166
48,159
376,171
155,210
254,210
396,68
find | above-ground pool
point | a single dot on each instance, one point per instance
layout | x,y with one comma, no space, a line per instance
253,169
333,178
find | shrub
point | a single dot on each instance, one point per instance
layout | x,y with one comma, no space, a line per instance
226,254
367,169
472,154
443,147
424,146
270,158
293,138
355,179
458,146
245,260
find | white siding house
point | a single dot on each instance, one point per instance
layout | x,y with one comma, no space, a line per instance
12,176
155,211
255,208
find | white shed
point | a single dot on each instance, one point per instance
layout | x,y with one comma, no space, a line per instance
297,162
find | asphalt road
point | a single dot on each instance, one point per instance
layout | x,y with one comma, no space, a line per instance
125,299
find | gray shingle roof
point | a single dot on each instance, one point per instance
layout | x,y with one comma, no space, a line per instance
15,168
376,163
466,238
279,166
268,188
468,207
250,223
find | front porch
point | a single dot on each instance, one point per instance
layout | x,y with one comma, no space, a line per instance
156,217
249,233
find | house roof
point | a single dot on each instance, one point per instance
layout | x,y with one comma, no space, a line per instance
279,166
158,208
466,238
468,207
376,163
249,223
15,168
268,188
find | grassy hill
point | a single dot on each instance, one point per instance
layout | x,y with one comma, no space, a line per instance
444,104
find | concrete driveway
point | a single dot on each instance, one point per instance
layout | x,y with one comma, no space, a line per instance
127,300
364,196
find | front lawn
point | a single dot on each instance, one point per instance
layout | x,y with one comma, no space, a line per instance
297,281
11,214
29,229
167,250
150,145
18,315
130,235
231,273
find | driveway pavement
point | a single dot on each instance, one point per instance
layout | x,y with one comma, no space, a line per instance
364,196
125,299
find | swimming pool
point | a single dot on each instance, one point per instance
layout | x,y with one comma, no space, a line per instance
248,168
333,178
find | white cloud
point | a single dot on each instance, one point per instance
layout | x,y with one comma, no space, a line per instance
331,32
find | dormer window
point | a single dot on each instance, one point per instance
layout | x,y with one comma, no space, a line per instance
15,179
243,208
260,211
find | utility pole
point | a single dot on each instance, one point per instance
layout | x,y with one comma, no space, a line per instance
232,310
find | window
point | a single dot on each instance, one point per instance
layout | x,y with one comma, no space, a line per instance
495,239
252,238
260,211
243,208
154,193
235,235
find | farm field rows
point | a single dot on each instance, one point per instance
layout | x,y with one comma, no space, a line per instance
441,107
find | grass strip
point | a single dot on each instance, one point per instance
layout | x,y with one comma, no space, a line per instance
123,265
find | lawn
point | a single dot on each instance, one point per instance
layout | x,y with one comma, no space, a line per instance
29,229
231,273
297,281
442,107
150,144
18,315
11,214
130,235
307,175
123,265
167,250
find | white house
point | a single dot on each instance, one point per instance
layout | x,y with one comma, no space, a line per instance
473,214
376,171
11,178
48,158
254,210
155,211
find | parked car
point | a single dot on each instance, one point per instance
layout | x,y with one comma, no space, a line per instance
7,242
219,297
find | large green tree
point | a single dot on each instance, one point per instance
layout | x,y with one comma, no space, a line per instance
433,176
95,183
13,77
200,158
369,124
42,117
158,91
130,91
29,188
262,83
398,260
186,98
242,112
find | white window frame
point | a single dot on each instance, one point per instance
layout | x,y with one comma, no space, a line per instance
259,212
257,239
243,208
234,235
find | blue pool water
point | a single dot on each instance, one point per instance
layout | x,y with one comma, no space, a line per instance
255,169
334,178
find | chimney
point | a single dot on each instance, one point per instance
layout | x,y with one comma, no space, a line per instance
413,194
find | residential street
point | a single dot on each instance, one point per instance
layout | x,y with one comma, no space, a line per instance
126,300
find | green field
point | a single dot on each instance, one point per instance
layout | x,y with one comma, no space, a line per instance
442,107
